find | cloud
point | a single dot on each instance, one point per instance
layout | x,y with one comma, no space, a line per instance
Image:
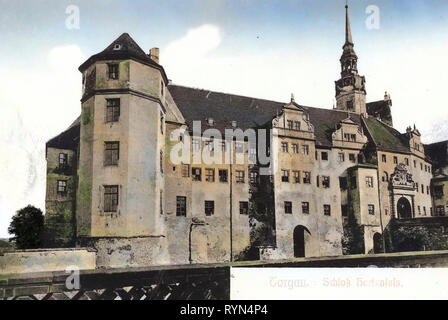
37,103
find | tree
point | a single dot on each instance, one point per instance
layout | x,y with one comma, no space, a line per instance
27,226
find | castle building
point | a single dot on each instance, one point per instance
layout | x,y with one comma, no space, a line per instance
335,180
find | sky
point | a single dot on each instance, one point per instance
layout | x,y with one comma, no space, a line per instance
259,48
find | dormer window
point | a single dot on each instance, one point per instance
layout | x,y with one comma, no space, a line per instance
117,46
234,124
113,71
210,121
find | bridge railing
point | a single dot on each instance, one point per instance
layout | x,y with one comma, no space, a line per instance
183,282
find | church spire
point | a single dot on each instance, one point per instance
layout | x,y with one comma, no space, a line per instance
350,88
348,28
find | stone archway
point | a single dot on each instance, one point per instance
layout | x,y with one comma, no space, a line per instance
299,241
404,208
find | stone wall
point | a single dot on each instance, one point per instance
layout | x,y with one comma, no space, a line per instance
29,261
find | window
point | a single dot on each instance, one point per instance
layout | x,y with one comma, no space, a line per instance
196,145
424,211
419,210
327,210
244,207
350,105
181,206
423,188
197,174
290,124
384,158
369,182
371,209
161,202
325,182
421,166
253,153
285,146
186,170
297,125
343,183
296,175
63,160
385,177
110,198
427,189
306,149
341,157
112,110
406,161
253,176
306,177
239,176
395,160
350,137
426,168
222,175
223,145
344,210
352,157
210,175
113,71
415,164
162,86
111,153
285,175
239,147
209,208
62,187
210,145
161,162
295,148
305,207
317,181
324,156
288,207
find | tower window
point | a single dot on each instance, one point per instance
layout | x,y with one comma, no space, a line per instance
395,160
371,208
181,206
112,110
369,182
62,187
325,182
324,156
113,71
110,198
63,160
111,153
352,157
384,158
209,208
350,105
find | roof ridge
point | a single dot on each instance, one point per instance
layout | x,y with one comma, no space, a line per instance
259,99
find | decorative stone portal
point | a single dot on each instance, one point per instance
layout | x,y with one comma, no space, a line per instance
404,208
299,241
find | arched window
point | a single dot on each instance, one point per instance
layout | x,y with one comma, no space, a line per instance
385,177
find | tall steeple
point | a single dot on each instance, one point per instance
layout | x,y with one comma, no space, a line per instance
350,88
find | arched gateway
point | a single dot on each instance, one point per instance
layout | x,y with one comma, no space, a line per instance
404,208
299,241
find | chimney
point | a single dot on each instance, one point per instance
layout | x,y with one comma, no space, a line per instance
154,54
